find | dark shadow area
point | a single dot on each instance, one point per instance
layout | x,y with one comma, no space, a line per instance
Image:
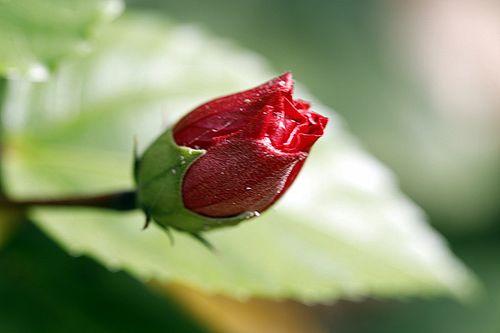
42,289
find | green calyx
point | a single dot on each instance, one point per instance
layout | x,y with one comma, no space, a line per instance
159,174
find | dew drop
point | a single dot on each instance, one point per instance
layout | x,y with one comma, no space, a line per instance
249,215
246,100
248,188
173,171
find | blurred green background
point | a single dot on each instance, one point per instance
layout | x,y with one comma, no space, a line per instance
417,81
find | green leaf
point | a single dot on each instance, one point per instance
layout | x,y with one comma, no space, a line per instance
343,230
35,34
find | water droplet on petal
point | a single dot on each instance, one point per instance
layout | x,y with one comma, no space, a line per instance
249,215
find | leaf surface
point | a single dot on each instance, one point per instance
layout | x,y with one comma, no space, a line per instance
344,230
35,35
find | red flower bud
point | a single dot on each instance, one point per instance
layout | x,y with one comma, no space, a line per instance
256,142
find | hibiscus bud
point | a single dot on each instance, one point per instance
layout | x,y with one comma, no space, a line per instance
228,159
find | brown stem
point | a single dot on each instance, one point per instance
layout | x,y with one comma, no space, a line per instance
120,201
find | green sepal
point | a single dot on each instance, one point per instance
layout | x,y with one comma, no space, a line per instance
159,175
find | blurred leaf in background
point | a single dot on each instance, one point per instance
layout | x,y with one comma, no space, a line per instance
34,35
350,235
436,316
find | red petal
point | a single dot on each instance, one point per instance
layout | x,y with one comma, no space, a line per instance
228,114
237,175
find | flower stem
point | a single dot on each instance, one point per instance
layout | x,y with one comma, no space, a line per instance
119,201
